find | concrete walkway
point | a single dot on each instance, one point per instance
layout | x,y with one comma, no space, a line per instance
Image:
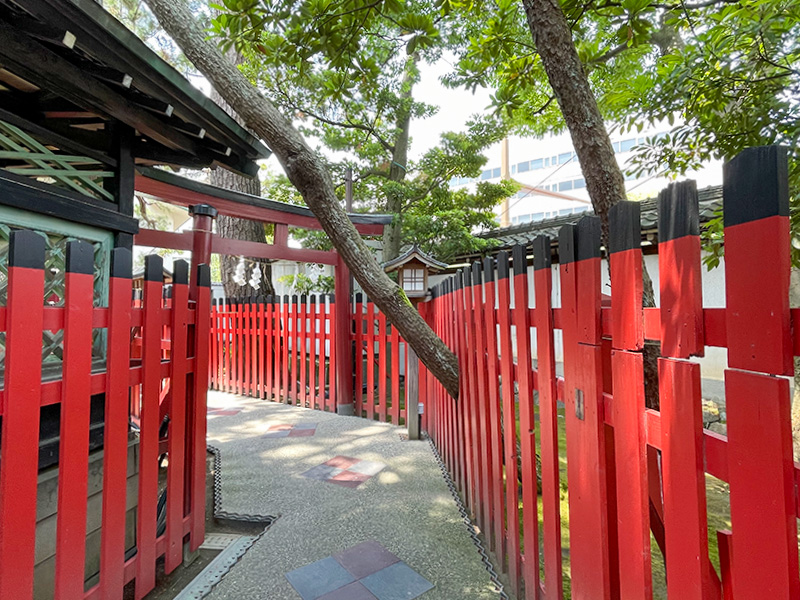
406,507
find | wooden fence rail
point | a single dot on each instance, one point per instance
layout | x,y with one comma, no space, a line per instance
126,383
630,469
283,349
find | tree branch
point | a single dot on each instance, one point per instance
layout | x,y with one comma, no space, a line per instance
313,181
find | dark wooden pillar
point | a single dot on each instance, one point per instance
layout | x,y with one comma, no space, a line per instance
123,183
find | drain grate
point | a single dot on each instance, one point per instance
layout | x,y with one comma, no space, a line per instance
219,541
201,585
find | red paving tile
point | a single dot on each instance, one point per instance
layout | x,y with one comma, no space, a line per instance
302,432
342,462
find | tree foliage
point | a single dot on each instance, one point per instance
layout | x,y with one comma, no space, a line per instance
348,70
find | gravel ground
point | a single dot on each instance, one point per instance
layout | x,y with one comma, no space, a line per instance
406,507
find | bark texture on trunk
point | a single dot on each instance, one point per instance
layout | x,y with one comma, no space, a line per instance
553,39
393,233
309,175
604,179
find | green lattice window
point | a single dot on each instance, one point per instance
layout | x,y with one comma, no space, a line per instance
56,233
24,155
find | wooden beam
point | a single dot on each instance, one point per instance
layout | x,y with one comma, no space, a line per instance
238,205
33,196
48,136
221,245
47,69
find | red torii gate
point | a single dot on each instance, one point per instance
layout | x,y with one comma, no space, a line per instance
206,201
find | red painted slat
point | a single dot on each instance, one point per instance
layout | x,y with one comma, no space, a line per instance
177,417
394,373
284,336
332,333
261,335
370,361
148,439
269,348
199,413
530,508
303,329
685,519
20,427
74,433
494,424
484,463
382,339
633,523
115,437
358,320
506,353
762,492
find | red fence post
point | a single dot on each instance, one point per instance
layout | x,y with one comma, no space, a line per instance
148,437
359,354
530,508
579,251
177,413
115,437
689,571
484,463
74,434
630,449
506,353
199,412
20,443
493,424
761,473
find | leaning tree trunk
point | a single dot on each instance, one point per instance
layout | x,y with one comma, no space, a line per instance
604,179
393,232
311,178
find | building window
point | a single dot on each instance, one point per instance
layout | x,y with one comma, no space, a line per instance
626,145
487,174
513,169
537,164
414,280
496,173
579,184
565,186
523,167
564,157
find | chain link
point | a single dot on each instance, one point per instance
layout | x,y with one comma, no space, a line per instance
473,532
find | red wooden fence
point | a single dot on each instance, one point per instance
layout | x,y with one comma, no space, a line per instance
631,470
125,382
284,350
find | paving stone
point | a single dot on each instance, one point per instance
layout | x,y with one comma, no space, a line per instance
349,479
397,582
306,426
319,578
321,472
365,559
367,467
353,591
281,427
302,432
276,434
342,462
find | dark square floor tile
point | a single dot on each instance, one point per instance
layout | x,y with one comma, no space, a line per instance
365,559
354,591
342,462
321,472
306,426
397,582
302,432
347,484
319,578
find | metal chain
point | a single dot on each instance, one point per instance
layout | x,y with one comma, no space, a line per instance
221,514
473,533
